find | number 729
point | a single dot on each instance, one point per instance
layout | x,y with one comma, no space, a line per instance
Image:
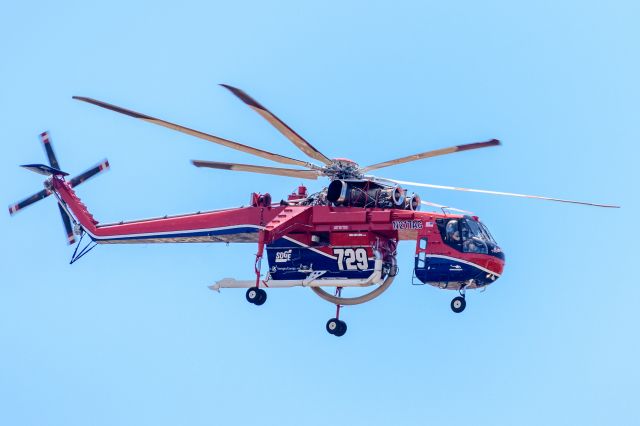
351,259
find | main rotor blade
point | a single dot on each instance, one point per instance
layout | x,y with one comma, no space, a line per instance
211,138
287,131
434,153
304,174
28,201
46,142
440,206
103,166
510,194
67,225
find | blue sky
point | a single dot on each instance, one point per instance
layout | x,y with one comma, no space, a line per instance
131,335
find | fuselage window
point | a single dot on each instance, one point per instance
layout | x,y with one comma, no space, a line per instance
423,243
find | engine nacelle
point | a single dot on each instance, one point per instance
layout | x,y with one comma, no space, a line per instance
366,194
413,202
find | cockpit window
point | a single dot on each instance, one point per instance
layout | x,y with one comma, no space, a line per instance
466,234
472,237
486,232
475,228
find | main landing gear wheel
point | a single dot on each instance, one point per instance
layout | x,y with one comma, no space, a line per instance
458,304
336,327
256,295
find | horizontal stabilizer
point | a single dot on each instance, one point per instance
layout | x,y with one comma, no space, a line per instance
44,170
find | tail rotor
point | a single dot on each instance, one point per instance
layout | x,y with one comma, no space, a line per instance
54,169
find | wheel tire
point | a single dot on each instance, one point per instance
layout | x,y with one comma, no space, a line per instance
333,325
253,295
458,304
262,297
342,328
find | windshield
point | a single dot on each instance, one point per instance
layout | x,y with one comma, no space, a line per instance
466,234
486,232
474,229
473,239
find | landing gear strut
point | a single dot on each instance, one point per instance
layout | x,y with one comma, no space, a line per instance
459,303
256,295
336,326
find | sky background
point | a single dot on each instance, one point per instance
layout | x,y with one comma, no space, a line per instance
131,335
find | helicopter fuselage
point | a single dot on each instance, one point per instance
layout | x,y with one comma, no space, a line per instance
319,245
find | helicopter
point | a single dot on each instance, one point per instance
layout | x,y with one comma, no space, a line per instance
344,236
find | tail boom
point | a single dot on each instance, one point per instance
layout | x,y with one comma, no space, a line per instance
231,225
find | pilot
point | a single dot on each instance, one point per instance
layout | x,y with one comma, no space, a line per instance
453,234
471,246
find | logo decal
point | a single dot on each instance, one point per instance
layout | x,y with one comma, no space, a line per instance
283,256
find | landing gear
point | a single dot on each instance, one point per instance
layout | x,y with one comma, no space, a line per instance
458,304
336,327
256,295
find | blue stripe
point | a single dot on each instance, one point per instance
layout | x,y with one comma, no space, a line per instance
230,231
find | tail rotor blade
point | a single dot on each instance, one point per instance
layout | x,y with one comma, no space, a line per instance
37,197
67,226
28,201
45,138
103,166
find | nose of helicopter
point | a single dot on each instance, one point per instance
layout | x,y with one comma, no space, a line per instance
496,264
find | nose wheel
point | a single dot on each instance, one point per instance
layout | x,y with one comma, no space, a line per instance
458,304
256,295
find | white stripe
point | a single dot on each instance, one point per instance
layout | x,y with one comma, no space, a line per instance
310,248
178,232
454,259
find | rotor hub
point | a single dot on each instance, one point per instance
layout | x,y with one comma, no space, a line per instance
343,168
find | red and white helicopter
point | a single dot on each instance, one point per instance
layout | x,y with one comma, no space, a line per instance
344,236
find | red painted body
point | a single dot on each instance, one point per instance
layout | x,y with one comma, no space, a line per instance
346,226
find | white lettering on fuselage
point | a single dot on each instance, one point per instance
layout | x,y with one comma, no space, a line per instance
283,256
407,224
351,259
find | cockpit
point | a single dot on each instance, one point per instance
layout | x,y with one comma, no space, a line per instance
468,235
